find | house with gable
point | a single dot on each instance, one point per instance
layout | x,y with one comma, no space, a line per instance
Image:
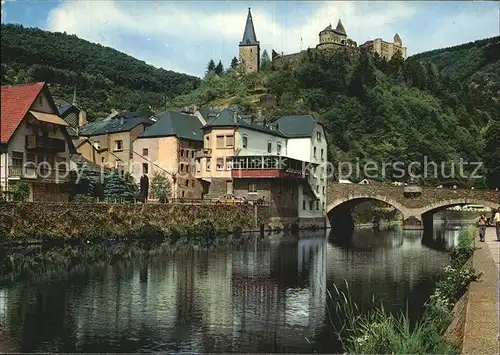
35,146
108,142
169,146
283,162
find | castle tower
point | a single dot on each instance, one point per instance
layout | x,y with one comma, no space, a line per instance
397,40
249,47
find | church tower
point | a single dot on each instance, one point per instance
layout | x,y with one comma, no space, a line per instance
249,48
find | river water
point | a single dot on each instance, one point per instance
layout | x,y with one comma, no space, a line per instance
269,296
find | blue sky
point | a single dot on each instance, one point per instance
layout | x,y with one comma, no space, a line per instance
183,36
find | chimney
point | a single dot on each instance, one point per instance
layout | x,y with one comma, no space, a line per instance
121,119
82,118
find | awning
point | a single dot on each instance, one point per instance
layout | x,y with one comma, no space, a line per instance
49,117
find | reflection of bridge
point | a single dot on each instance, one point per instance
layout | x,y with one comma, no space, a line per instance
417,208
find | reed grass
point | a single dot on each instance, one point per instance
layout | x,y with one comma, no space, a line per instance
378,331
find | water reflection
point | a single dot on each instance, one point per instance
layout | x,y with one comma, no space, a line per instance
265,297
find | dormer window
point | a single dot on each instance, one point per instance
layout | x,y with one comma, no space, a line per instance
269,146
318,136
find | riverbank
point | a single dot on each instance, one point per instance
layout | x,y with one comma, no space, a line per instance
379,331
482,321
99,222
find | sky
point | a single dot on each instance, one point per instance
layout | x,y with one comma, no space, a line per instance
184,35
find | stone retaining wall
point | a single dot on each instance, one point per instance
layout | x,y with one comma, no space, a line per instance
73,220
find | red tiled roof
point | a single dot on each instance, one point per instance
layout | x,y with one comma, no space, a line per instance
16,100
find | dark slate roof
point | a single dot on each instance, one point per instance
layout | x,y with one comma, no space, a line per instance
62,110
249,37
172,123
114,125
231,118
297,126
208,113
340,28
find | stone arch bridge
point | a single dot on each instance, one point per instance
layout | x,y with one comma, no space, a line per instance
417,208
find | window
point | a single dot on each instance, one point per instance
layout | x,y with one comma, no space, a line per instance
182,193
102,160
182,152
324,190
317,188
230,141
182,168
245,141
30,157
145,152
318,136
252,188
17,159
187,168
322,158
220,141
323,206
192,154
208,164
311,205
220,163
278,148
304,205
269,147
145,168
118,145
314,152
187,183
317,205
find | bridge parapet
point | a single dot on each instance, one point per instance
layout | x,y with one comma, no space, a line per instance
429,196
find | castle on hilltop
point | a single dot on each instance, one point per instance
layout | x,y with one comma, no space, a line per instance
330,39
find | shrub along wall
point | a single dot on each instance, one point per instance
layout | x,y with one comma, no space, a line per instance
20,221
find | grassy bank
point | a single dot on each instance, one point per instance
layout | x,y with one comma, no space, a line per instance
380,332
33,264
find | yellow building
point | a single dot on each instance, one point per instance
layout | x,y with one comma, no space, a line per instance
169,147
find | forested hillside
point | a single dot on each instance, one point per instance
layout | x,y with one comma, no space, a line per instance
427,106
105,78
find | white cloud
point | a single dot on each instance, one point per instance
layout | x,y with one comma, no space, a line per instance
186,38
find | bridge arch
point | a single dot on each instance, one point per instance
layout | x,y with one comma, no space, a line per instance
440,205
343,201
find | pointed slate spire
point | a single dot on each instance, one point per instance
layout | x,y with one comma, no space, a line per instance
340,28
249,37
75,102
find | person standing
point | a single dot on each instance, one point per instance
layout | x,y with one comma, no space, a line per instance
496,220
482,227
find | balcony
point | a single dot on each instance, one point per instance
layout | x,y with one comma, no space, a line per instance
203,153
268,167
45,143
39,174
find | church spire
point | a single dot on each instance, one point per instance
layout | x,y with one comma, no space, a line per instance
75,100
249,37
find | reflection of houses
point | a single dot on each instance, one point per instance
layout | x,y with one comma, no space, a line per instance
35,146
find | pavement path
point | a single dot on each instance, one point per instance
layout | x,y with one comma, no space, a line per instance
482,324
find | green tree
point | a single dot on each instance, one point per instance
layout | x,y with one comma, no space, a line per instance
160,187
116,189
234,63
211,66
265,61
363,76
219,69
20,191
492,154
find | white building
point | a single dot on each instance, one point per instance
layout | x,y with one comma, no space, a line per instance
35,146
283,162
